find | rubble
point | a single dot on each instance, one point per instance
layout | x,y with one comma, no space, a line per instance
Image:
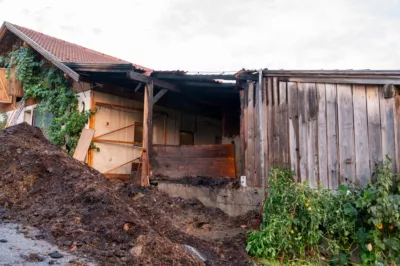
78,209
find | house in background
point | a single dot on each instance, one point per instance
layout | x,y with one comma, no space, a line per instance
192,121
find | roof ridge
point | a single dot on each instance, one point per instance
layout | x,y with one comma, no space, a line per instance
77,45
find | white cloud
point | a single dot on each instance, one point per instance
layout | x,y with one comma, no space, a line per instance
224,34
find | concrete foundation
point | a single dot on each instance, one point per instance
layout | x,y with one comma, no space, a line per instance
233,202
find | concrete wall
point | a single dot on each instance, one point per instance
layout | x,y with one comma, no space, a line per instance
233,202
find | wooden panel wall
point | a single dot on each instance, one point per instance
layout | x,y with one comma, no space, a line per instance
329,134
174,162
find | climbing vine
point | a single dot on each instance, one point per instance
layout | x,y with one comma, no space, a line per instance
48,84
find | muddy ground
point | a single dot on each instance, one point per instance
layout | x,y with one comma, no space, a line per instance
112,223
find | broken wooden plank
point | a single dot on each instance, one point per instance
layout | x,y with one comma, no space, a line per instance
346,133
363,174
83,144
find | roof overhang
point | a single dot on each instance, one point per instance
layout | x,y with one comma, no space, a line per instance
51,58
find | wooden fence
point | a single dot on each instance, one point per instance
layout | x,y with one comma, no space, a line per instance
330,134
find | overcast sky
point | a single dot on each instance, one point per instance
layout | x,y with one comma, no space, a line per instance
216,35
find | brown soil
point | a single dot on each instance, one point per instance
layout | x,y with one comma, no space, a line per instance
114,224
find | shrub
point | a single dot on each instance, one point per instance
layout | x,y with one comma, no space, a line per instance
325,226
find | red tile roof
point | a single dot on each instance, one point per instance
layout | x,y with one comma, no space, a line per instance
67,52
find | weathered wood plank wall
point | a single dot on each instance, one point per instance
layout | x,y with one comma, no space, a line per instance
329,134
174,162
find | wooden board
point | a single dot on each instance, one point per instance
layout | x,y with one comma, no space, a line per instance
250,137
246,133
265,128
361,135
257,148
387,127
242,136
303,124
346,133
322,136
283,128
4,93
397,134
270,123
312,136
374,126
332,136
293,123
174,162
83,144
276,124
147,133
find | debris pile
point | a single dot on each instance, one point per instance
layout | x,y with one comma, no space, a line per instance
80,210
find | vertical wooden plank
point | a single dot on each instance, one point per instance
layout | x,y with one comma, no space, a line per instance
361,135
322,137
250,128
387,127
283,127
270,123
265,127
257,148
293,126
246,132
303,123
276,124
242,129
312,135
397,133
332,136
374,126
147,133
346,133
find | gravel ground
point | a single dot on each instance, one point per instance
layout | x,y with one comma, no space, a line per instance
19,246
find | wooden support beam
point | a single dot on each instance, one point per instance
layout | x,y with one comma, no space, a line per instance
158,96
147,133
156,82
138,87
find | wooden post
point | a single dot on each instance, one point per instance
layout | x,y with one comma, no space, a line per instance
147,133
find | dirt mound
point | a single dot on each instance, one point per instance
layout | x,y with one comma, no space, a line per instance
42,185
79,209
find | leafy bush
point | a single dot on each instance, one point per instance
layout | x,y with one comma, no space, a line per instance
325,226
54,90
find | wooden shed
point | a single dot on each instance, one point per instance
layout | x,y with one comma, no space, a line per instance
330,127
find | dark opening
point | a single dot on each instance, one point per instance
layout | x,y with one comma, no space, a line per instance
186,138
138,133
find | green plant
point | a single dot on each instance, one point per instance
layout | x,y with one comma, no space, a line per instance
300,224
3,120
49,84
379,206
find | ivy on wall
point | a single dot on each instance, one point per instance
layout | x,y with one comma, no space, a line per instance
48,84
